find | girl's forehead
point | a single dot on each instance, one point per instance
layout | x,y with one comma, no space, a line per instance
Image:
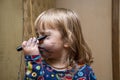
47,27
47,30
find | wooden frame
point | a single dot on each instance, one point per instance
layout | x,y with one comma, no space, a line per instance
115,40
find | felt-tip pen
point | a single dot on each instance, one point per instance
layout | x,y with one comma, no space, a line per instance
19,48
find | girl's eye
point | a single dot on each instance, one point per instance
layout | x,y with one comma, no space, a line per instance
48,36
37,34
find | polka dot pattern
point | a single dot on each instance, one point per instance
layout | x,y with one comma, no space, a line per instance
42,71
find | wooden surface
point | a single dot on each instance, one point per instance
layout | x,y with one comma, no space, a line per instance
115,40
10,37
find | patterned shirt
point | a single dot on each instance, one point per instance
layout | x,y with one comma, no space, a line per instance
38,69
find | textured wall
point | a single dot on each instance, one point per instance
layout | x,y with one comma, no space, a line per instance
95,16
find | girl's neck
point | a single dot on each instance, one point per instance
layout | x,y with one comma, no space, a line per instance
58,63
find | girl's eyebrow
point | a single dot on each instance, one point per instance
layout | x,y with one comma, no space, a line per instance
48,32
42,32
45,32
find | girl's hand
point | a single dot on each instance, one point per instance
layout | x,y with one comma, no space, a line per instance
30,47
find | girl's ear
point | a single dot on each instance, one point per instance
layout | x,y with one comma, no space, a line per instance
66,45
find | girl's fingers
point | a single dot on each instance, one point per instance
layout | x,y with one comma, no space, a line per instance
24,44
34,41
30,46
29,42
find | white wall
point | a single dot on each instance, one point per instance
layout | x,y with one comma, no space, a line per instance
95,16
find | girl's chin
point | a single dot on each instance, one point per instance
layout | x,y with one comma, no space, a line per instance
45,54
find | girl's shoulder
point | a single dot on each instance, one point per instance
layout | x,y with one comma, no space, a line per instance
85,68
85,72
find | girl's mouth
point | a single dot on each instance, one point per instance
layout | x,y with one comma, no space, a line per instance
43,49
44,52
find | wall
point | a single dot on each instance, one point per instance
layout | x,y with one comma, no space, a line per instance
10,36
95,16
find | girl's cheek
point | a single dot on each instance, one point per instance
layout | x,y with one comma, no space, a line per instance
48,43
49,40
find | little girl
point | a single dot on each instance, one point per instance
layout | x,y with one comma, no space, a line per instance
63,54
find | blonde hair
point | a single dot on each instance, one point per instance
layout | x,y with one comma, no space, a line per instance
67,22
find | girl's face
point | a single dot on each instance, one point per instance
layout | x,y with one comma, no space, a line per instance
53,45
